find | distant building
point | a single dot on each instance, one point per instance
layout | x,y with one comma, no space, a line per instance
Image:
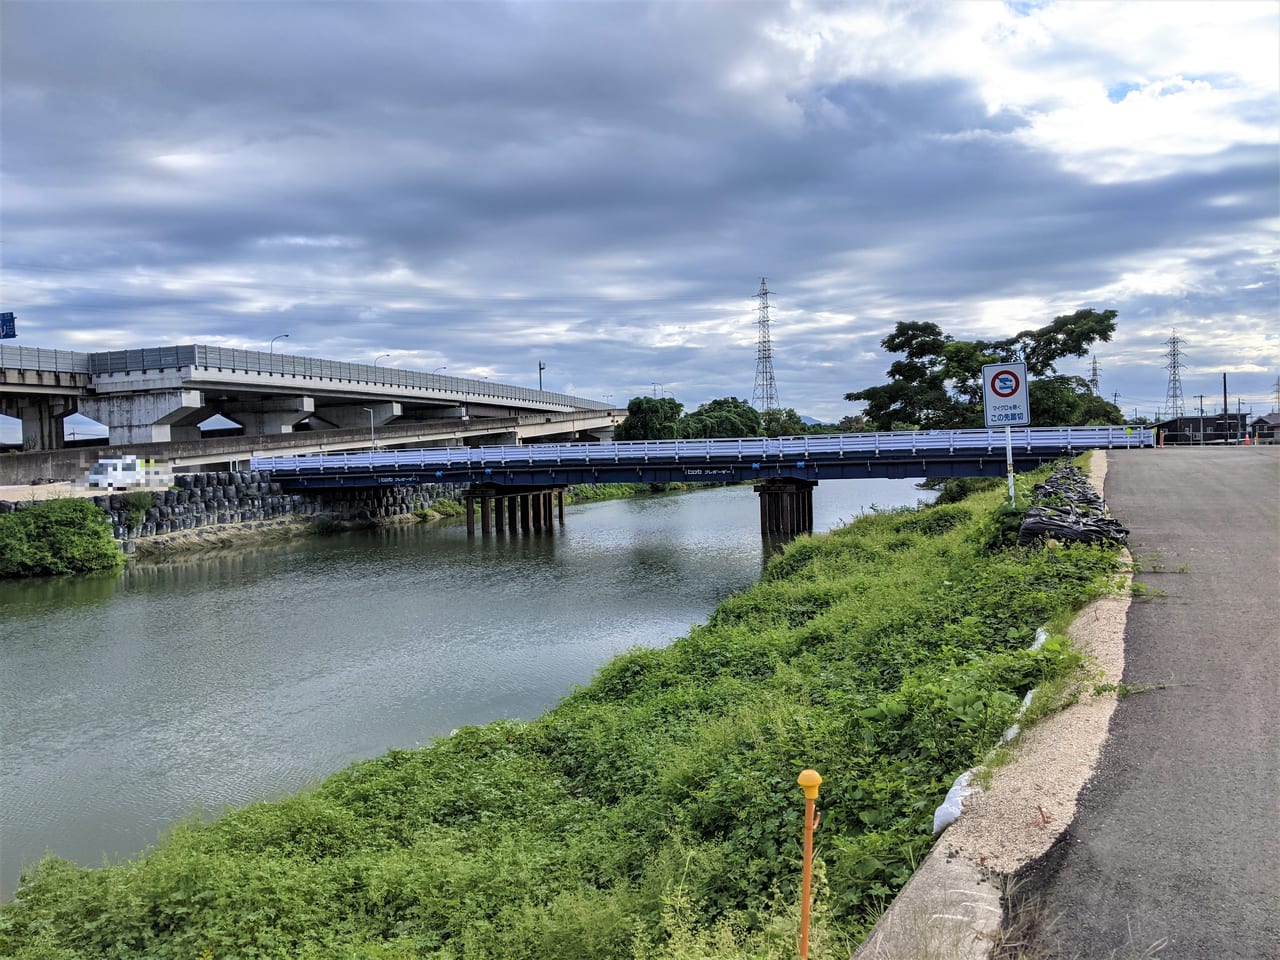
1266,427
1210,428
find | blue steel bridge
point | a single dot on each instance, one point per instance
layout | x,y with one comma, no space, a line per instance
516,484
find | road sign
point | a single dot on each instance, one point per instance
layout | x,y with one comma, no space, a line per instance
1004,395
7,328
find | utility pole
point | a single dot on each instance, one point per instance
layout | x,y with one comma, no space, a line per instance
1226,410
765,395
541,366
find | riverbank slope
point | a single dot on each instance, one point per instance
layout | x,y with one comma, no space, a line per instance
654,813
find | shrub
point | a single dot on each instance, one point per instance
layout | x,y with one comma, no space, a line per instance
57,537
136,504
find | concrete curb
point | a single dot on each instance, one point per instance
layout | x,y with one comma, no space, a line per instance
949,910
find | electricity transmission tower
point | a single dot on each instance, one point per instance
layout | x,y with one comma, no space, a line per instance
1093,377
1173,396
765,395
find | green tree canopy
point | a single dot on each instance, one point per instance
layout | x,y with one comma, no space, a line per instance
783,422
650,418
937,384
653,418
56,537
725,417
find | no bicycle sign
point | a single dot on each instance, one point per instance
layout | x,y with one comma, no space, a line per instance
1004,395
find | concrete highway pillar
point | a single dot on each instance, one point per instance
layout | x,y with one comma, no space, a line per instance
41,418
512,508
355,416
486,514
272,416
159,417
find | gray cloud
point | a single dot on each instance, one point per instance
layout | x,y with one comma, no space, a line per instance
597,186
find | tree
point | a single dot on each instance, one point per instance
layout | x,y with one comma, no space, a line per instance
56,537
650,418
1068,402
726,417
855,424
781,423
938,382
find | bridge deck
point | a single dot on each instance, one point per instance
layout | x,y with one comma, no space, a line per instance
813,457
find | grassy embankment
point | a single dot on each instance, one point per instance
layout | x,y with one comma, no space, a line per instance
653,813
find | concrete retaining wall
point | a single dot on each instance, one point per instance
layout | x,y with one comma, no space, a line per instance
249,497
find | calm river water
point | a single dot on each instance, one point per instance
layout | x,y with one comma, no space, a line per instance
181,688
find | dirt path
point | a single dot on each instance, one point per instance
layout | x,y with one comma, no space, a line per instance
46,491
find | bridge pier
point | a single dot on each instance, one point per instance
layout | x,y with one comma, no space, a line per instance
41,416
786,506
271,415
161,416
523,508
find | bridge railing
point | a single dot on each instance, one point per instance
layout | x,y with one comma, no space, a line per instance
38,358
743,449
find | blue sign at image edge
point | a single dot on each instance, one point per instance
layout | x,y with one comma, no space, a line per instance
8,329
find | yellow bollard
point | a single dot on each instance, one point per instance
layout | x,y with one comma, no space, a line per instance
809,781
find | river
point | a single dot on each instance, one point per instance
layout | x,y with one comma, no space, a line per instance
180,688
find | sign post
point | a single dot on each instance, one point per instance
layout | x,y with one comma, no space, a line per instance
1005,404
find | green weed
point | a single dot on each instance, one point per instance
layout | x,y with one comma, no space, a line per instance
654,813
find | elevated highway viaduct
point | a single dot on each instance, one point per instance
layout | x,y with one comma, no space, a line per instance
154,400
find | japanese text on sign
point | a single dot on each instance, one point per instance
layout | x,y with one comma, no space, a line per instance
1004,395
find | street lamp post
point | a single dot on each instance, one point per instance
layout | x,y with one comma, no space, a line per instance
383,357
373,440
656,387
439,368
272,348
541,366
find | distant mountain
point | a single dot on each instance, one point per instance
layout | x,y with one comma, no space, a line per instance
809,421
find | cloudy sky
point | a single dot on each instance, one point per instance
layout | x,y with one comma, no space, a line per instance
600,186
